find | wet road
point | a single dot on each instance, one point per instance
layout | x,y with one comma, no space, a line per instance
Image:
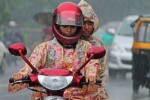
118,89
121,89
4,95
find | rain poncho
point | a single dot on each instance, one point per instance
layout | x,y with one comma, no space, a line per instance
51,53
89,14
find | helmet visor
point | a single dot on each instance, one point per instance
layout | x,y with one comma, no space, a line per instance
69,18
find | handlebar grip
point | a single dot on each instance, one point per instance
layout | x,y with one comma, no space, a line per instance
98,81
23,80
11,80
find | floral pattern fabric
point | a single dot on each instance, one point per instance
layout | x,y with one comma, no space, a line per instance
103,72
103,61
52,54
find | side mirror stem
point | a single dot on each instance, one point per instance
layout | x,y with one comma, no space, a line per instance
84,64
26,60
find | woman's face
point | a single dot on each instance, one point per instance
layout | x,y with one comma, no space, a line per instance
68,30
87,29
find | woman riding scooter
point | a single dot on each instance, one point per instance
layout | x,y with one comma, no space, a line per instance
65,51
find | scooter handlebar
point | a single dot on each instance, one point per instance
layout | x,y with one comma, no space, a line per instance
23,80
98,82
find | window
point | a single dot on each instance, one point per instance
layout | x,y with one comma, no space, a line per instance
143,34
126,29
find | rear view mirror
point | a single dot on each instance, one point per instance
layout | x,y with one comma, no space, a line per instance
98,52
16,47
19,49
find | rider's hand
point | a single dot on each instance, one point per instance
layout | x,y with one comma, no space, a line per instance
91,79
17,76
16,87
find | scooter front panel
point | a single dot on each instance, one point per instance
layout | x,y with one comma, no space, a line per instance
54,98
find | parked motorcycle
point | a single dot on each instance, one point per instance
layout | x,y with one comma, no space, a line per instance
56,82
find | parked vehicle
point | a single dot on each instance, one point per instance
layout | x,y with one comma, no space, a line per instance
141,54
120,52
3,52
56,82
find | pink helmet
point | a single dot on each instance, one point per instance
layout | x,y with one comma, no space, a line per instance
67,13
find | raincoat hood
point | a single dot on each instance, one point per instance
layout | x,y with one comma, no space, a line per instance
88,12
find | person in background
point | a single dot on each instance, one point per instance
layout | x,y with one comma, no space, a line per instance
91,25
47,34
12,35
66,51
45,19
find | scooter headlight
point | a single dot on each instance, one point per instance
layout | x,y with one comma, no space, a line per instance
54,82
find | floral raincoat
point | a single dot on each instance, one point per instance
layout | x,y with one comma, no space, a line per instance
89,13
51,53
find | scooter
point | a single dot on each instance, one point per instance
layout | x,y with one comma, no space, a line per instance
54,81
